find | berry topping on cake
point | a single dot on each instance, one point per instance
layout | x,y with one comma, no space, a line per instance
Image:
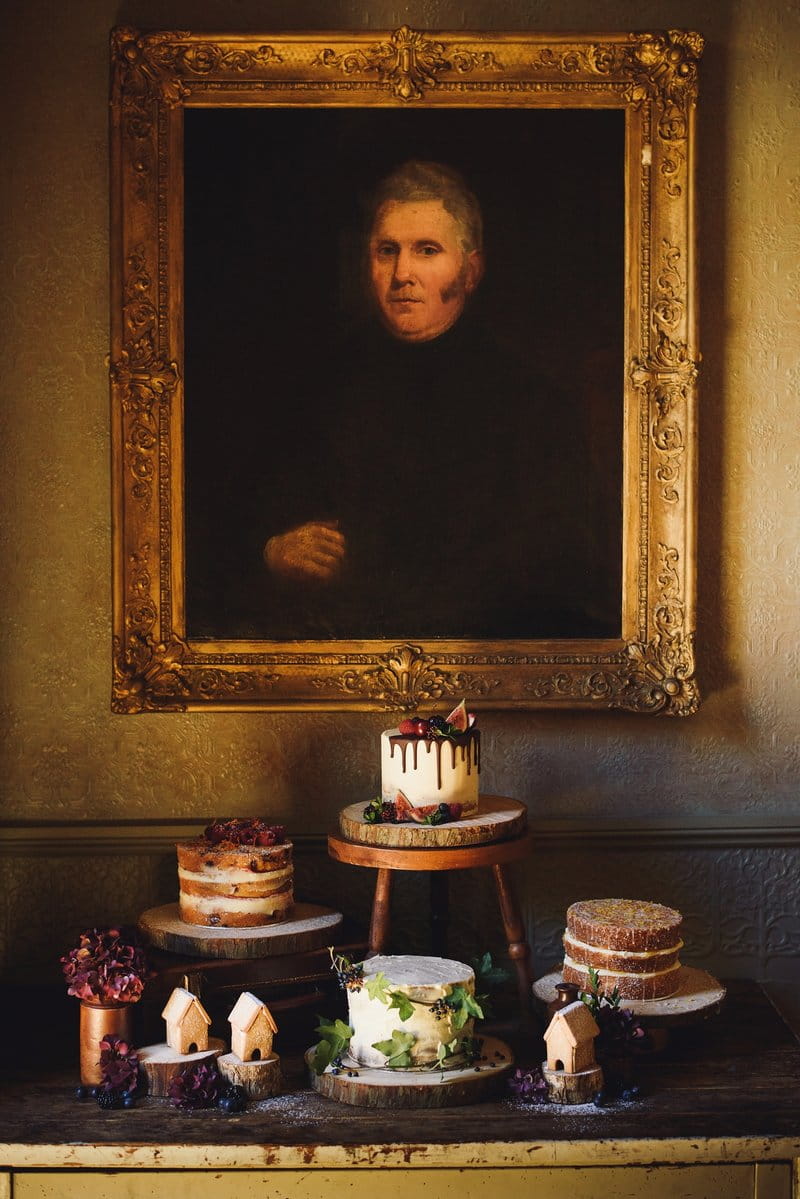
245,831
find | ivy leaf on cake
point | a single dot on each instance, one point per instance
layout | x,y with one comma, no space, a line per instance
378,987
398,1050
334,1039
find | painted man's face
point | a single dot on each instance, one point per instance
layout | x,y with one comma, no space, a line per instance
421,275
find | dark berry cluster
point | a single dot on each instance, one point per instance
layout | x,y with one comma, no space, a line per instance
245,831
350,974
441,1008
233,1100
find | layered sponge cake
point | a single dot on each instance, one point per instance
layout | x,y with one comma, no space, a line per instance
239,874
632,944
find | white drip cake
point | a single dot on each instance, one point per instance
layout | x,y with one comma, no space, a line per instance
432,763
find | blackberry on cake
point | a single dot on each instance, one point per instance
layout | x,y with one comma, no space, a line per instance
238,874
632,944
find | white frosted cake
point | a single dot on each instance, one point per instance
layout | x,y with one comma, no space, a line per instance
429,767
436,989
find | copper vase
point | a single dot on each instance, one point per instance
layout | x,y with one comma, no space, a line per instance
99,1020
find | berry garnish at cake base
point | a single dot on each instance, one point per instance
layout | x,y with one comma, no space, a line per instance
432,761
238,874
381,811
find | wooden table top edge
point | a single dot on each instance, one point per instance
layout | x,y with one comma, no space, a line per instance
540,1152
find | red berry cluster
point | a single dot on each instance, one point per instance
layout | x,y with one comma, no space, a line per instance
415,726
249,831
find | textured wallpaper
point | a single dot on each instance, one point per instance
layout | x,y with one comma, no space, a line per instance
66,757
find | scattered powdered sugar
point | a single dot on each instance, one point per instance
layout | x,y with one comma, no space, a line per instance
295,1106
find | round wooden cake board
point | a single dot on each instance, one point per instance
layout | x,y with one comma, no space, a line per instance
417,1088
309,927
497,819
699,996
161,1063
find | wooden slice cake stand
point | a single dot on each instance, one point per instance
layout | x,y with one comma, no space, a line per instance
308,927
497,819
365,1086
698,997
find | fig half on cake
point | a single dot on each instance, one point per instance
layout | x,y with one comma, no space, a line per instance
238,874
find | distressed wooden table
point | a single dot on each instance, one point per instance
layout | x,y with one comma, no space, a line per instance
720,1116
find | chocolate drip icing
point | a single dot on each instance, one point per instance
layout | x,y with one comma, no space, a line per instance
468,743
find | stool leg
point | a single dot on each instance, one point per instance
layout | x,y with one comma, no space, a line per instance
440,912
381,906
518,948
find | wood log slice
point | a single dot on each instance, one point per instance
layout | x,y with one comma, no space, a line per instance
161,1063
572,1088
698,997
497,819
309,927
260,1079
363,1086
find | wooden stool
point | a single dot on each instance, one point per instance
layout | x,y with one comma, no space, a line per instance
497,854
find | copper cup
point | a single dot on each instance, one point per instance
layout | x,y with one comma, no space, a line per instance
99,1020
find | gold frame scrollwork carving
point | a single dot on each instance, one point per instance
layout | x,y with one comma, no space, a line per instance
652,76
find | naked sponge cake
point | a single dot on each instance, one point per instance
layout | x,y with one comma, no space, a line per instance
632,944
238,874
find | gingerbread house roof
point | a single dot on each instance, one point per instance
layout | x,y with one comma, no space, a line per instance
575,1022
246,1010
179,1004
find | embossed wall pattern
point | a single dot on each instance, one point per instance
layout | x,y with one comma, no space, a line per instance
739,905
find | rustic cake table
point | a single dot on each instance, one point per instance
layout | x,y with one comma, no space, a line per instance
719,1115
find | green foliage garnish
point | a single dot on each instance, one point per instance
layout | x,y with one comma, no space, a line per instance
464,1005
596,998
378,987
472,1048
373,812
334,1038
487,974
404,1005
398,1050
445,1050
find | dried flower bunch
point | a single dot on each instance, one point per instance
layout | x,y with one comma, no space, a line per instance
119,1064
107,964
195,1086
528,1084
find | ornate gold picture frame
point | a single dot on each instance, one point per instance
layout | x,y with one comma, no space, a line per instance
218,143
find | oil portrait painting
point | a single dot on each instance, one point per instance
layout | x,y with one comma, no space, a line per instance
397,375
403,370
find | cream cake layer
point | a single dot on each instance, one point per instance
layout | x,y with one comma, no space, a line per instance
431,770
239,886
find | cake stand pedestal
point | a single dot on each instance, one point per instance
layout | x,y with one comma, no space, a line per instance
309,927
364,1086
698,997
428,856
